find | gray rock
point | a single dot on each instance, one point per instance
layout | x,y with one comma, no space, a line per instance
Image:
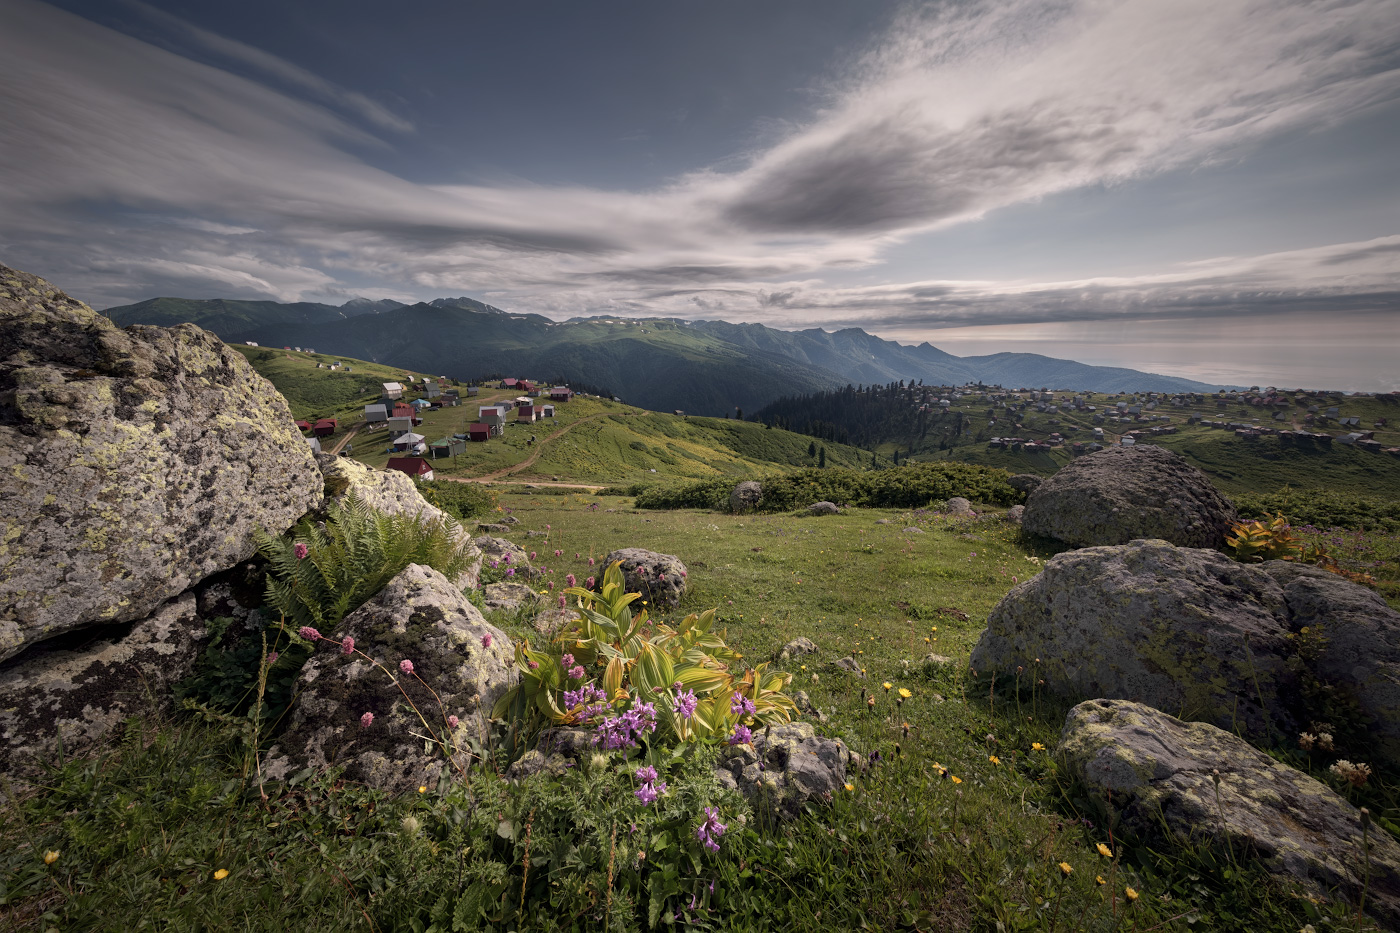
745,496
510,596
505,553
884,521
393,493
795,648
494,528
419,616
913,531
805,706
958,507
509,520
533,762
75,695
849,663
137,462
823,508
1158,771
786,769
573,742
1015,514
1191,632
660,578
549,622
1025,482
1117,495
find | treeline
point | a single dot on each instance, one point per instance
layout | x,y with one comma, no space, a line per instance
868,415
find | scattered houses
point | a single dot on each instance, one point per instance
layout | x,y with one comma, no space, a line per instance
416,467
479,432
410,442
325,427
561,394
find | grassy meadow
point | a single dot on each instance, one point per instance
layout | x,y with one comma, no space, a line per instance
961,821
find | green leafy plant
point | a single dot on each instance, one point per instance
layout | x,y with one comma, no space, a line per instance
672,682
1256,542
322,571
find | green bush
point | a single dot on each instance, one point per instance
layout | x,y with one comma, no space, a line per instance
913,486
1323,508
463,501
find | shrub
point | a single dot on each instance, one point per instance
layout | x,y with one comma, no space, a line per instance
463,501
1323,508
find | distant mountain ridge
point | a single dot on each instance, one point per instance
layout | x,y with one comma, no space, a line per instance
704,367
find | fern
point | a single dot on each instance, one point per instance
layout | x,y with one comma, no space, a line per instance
351,556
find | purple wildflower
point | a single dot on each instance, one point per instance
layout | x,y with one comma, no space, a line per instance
577,555
589,583
347,645
272,657
532,555
684,704
486,640
551,586
534,665
590,562
300,550
365,720
743,735
709,831
309,633
647,774
647,793
576,672
510,572
506,557
660,577
683,573
495,564
406,666
452,721
571,580
561,602
742,705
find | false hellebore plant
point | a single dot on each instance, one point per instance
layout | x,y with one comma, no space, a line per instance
638,681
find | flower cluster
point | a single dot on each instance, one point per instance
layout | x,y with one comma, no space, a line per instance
684,704
1354,774
651,788
742,705
742,736
622,731
1321,741
587,694
710,830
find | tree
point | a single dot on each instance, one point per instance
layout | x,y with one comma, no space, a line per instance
738,413
821,457
812,449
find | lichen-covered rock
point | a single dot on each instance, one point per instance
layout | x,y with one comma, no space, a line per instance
1116,495
745,496
549,622
1193,633
1159,771
823,508
494,528
136,463
1015,514
533,762
1025,482
75,695
959,507
785,769
660,578
420,616
795,648
392,493
510,596
498,553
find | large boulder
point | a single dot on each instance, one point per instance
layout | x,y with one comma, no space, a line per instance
745,496
660,578
510,596
71,697
392,493
499,553
1160,775
785,769
420,616
1025,482
823,508
1191,632
137,462
1119,494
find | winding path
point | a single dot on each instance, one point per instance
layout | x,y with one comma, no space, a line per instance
539,449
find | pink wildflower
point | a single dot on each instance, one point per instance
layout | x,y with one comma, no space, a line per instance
590,562
452,721
406,666
272,657
486,640
348,645
365,720
309,633
561,601
589,583
571,580
300,550
534,665
558,553
532,555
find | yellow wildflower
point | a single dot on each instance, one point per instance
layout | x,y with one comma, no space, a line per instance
1131,894
1105,851
1037,747
955,779
1098,879
904,692
1066,867
221,874
994,759
51,856
850,786
887,685
422,788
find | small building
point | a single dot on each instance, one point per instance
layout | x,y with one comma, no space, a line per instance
473,390
416,467
303,425
325,427
525,413
314,443
375,414
410,442
421,403
509,383
434,390
393,390
479,432
561,394
250,343
447,447
547,411
398,426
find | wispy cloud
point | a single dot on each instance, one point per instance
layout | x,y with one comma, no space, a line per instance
959,110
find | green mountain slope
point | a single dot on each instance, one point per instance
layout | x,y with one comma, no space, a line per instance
228,317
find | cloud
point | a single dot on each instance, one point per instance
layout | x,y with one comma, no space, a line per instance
959,110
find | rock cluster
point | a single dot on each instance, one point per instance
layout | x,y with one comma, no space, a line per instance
1120,494
660,578
786,768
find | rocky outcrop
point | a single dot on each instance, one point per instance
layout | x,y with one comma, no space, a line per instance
1193,633
136,463
1120,494
785,769
392,493
549,622
73,696
1015,514
958,507
796,648
660,578
1161,774
500,554
1025,482
510,596
461,666
823,508
745,496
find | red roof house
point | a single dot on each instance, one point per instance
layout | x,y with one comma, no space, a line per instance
561,394
416,467
479,432
303,425
325,427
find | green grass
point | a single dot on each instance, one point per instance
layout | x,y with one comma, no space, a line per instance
143,825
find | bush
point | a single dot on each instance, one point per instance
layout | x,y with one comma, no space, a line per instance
463,501
914,486
1323,508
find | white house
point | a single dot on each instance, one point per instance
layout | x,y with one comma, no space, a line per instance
393,390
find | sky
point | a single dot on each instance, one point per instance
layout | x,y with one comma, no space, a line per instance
1207,188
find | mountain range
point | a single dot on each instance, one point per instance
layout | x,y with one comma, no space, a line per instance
706,367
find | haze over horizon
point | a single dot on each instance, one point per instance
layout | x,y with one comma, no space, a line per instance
1194,188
